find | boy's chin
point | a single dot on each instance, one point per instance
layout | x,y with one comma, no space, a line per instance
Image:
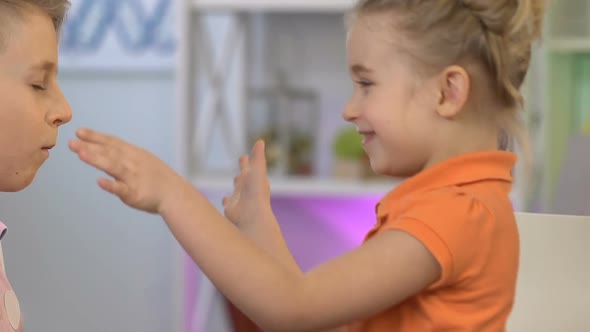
17,182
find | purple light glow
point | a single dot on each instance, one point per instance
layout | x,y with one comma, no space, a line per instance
316,229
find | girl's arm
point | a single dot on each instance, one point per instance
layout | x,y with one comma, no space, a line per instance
379,274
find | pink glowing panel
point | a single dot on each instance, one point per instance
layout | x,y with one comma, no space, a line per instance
316,229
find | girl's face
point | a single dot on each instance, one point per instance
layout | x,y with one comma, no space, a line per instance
32,106
392,108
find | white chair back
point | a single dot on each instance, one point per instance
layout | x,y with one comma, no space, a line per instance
553,291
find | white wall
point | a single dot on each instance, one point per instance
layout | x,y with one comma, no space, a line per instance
78,258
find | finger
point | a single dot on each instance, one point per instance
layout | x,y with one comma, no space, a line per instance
93,136
114,187
106,159
75,145
258,156
244,163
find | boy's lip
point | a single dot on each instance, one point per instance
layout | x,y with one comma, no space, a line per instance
48,147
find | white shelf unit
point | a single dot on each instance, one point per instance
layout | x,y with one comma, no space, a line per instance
194,119
569,45
305,186
568,27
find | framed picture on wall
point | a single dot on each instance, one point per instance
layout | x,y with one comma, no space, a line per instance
118,35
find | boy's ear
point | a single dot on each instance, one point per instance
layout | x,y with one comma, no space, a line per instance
454,86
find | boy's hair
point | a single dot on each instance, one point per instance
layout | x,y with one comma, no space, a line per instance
495,34
14,9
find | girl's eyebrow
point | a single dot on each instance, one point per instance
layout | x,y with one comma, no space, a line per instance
360,69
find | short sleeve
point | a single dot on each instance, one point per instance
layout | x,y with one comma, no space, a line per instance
3,230
451,224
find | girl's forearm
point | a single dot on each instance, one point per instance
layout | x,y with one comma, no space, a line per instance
264,289
267,234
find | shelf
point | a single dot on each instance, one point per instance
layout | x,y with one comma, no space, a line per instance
569,45
334,6
304,186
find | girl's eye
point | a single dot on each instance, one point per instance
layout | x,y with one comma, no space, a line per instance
364,84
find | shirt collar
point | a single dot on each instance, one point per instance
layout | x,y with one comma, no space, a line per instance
460,170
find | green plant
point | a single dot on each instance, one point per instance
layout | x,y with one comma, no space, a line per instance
348,144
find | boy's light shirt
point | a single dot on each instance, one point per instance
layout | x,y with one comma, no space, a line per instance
8,299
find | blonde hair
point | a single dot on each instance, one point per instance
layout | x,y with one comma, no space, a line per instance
11,9
496,34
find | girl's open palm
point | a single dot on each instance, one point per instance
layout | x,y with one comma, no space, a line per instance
139,178
251,194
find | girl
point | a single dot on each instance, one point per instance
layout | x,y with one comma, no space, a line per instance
32,107
437,100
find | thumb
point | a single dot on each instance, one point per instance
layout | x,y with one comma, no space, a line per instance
258,161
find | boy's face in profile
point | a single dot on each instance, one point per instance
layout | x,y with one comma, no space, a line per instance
32,106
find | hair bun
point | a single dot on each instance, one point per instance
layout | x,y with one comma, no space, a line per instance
507,18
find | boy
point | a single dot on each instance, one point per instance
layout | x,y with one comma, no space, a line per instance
32,108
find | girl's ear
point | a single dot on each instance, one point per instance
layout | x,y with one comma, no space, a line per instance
454,87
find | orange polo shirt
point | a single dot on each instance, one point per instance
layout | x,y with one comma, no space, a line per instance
460,210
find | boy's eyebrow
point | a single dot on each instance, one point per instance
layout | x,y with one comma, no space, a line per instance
45,65
360,69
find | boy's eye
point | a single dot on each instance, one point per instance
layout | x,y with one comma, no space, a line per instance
38,87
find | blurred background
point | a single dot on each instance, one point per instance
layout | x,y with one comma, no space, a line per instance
196,82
